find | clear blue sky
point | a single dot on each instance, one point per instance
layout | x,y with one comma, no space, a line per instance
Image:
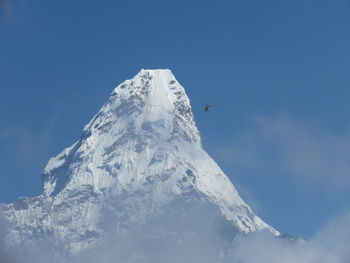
276,70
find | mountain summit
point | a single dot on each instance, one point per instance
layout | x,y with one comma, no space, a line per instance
141,152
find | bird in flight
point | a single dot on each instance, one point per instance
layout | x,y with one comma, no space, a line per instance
207,106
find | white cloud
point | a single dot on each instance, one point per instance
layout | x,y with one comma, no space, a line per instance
330,245
194,234
287,147
147,245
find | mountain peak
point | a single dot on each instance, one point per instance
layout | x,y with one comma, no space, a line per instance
151,97
157,91
143,150
151,110
163,71
145,138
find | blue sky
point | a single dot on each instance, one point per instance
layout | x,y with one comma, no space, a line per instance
276,70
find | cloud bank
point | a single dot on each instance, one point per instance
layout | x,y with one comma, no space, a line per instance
196,237
330,245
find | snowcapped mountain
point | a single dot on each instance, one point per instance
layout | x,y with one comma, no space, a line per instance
139,153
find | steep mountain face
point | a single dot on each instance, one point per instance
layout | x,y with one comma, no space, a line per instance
140,155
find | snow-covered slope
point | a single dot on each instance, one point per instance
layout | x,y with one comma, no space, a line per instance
142,150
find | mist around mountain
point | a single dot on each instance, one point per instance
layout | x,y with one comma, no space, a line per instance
329,245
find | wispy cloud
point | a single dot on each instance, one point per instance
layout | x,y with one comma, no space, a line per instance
25,145
6,7
292,148
5,255
330,245
194,238
8,11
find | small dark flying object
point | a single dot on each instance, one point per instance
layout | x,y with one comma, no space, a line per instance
207,106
